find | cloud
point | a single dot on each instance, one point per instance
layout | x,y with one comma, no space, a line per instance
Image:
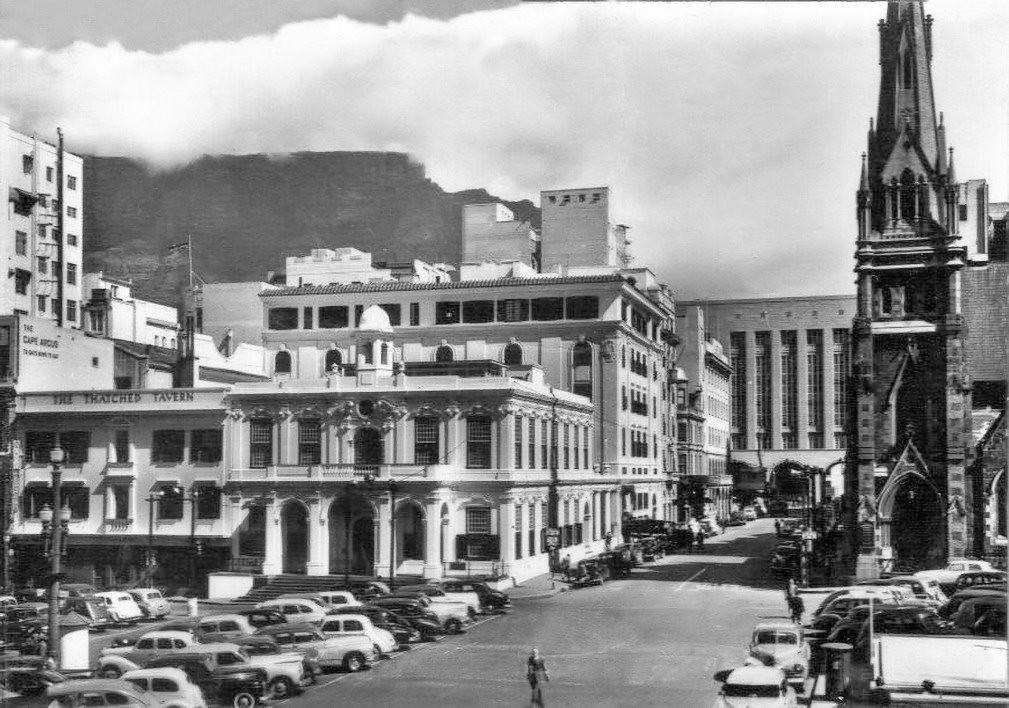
730,134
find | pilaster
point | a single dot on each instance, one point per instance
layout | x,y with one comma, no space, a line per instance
432,538
775,388
803,414
751,390
318,538
829,421
273,558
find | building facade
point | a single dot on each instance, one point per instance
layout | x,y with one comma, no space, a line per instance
576,231
41,236
110,310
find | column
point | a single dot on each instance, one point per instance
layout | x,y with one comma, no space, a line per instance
776,388
402,454
382,560
131,497
506,532
802,389
506,440
593,535
110,502
110,448
751,389
318,538
453,454
829,422
234,520
273,560
388,444
432,538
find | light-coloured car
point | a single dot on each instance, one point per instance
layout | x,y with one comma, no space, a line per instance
296,609
922,588
750,513
221,628
339,598
756,687
880,593
452,592
168,686
285,672
151,602
782,644
351,653
953,569
123,609
343,625
115,661
453,616
98,692
710,526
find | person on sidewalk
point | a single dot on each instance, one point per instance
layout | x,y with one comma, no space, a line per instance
796,608
536,674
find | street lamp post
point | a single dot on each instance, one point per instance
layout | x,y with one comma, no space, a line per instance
56,527
194,549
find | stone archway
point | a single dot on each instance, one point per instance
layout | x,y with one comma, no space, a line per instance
353,514
294,536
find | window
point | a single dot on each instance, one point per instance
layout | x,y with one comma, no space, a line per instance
121,445
208,501
21,243
582,308
358,311
282,318
260,443
789,404
71,310
478,519
42,264
512,310
27,164
574,454
544,444
72,273
205,446
962,212
282,362
38,443
762,381
425,440
585,448
333,359
814,393
478,311
333,317
71,239
121,500
737,357
393,311
72,212
443,354
49,174
309,441
518,530
170,503
21,280
78,498
841,362
478,442
581,375
75,444
71,181
414,314
41,302
167,445
518,442
513,354
532,443
567,446
548,308
446,313
307,317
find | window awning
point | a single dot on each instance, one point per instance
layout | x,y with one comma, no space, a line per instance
23,201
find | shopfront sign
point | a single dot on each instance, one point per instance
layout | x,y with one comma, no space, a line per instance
121,401
553,537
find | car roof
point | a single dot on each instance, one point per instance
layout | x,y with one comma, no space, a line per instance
158,672
270,604
220,618
756,676
166,633
65,688
209,648
113,594
287,627
345,615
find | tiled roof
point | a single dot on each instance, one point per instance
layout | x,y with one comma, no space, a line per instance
394,285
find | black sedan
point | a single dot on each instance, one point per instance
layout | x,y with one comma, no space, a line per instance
490,599
402,630
263,618
419,617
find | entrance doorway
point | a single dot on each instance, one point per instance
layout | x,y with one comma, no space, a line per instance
294,533
355,515
917,529
369,450
409,533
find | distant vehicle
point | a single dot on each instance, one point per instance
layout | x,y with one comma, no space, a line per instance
755,687
951,607
123,609
313,596
170,686
783,645
453,616
99,692
922,588
401,628
224,628
359,625
413,611
263,617
750,513
338,598
238,688
114,661
979,578
885,593
788,526
78,589
438,593
710,526
736,518
92,609
351,653
151,602
982,615
295,609
490,599
953,569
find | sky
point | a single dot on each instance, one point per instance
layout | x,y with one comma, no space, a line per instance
729,133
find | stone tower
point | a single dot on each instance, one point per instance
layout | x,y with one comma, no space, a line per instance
911,398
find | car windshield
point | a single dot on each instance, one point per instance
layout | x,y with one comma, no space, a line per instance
773,637
740,690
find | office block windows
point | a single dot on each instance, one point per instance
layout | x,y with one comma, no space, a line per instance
814,391
762,388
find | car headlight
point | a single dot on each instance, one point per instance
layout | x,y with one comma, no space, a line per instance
798,667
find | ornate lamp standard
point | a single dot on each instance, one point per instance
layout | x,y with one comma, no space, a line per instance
53,530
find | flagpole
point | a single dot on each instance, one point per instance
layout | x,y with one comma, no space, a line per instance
189,242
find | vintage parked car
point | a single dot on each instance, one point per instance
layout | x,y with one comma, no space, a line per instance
99,692
885,593
313,596
77,590
787,526
401,629
338,598
414,612
169,685
922,588
123,609
979,578
295,609
491,600
982,615
783,645
711,527
438,593
238,688
453,616
267,646
750,513
755,687
351,653
953,570
116,660
223,628
262,618
950,608
151,602
358,625
91,609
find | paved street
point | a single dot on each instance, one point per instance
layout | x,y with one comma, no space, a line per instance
655,638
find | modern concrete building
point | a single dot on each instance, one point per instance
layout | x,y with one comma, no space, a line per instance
110,310
40,235
491,233
576,231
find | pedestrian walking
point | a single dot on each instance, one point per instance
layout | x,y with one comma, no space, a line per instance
777,527
536,673
792,589
796,608
700,540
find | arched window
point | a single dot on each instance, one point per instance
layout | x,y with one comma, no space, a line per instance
513,354
444,354
908,194
908,77
385,353
333,359
922,199
368,352
581,374
282,362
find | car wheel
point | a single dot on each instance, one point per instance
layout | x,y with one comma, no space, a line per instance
111,673
453,626
243,700
354,661
281,687
471,612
